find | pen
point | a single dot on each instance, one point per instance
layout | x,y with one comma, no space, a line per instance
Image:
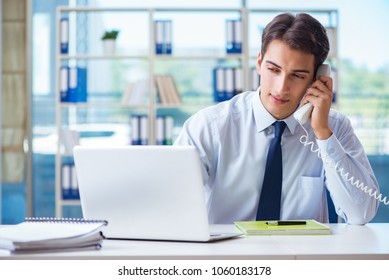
286,223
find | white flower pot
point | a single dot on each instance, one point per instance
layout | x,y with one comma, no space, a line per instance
109,46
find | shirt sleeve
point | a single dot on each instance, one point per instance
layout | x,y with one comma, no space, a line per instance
349,176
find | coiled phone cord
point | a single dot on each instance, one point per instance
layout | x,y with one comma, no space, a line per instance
305,141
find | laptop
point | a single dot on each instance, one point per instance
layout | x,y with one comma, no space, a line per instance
145,192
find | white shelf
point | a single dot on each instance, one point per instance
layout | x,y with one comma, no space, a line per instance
102,105
146,57
199,57
184,105
150,10
70,202
151,108
101,57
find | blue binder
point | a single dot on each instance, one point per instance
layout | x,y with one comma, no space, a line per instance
74,190
160,130
164,130
255,79
158,37
72,88
139,130
168,130
237,43
218,84
233,36
82,84
168,36
144,130
229,83
230,36
135,130
238,80
66,180
64,83
64,36
163,37
77,86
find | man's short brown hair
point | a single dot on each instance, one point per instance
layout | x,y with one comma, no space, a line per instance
301,32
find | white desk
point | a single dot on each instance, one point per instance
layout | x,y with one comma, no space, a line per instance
345,242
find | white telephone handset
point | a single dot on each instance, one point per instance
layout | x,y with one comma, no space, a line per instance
303,114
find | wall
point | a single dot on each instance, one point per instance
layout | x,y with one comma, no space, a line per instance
1,102
14,104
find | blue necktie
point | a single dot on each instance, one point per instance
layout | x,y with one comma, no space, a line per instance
270,199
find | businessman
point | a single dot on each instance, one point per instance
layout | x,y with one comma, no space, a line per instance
240,140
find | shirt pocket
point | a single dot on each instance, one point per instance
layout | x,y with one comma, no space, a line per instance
310,197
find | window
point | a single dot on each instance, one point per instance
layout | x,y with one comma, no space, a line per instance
363,79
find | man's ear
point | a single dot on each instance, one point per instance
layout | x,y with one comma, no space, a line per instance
258,65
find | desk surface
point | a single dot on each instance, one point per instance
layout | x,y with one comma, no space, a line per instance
345,242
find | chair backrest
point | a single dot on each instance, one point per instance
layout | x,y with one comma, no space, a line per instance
332,216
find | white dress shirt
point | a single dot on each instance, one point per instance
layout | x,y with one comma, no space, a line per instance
233,138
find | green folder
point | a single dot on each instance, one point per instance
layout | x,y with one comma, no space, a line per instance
311,227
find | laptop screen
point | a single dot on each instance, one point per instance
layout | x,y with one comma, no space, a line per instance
144,192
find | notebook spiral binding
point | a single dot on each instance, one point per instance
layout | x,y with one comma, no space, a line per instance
63,220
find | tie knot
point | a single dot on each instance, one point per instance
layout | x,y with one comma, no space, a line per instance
279,128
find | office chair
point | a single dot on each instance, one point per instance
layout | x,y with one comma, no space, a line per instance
332,216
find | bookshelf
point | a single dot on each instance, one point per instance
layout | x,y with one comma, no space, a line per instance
71,115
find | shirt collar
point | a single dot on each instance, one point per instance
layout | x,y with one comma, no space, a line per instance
263,119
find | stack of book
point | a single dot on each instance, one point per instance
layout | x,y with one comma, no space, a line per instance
167,90
135,93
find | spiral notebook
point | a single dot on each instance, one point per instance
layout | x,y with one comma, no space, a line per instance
36,235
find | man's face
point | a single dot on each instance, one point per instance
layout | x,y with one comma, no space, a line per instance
285,76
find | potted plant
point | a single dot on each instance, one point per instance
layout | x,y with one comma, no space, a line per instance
109,41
